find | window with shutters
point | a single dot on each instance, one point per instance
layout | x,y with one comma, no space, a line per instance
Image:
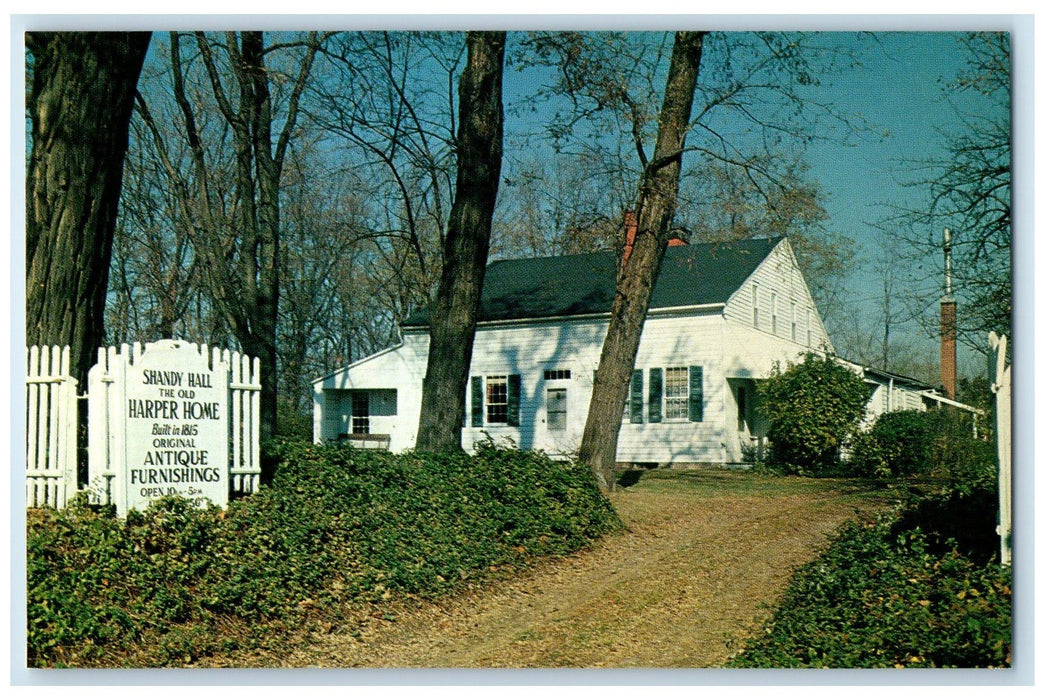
676,394
495,400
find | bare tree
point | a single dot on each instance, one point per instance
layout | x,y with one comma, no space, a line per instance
155,280
756,101
873,334
455,310
756,108
233,207
323,225
555,206
386,100
969,191
655,209
724,201
80,100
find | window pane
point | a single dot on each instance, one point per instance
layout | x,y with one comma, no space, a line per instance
497,399
360,412
676,393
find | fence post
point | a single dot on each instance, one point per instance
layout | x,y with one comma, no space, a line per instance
69,425
1001,385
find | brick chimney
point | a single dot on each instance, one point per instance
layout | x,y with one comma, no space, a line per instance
948,327
631,228
948,348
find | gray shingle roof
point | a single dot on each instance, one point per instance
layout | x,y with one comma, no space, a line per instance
573,285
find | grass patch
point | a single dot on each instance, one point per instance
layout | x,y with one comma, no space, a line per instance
338,532
719,482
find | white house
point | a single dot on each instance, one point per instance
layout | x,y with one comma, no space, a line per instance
721,315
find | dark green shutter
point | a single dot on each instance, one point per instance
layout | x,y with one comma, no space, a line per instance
696,394
514,389
656,391
477,402
635,409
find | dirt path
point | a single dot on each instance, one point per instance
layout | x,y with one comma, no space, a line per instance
687,578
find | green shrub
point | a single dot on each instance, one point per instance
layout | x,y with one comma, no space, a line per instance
336,527
293,423
913,443
968,463
963,521
885,595
813,408
900,443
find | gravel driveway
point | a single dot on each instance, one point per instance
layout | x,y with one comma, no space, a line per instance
679,589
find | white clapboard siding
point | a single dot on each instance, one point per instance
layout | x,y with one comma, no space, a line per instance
528,350
51,423
779,275
397,371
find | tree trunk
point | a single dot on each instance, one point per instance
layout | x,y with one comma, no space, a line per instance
456,307
655,209
80,102
261,218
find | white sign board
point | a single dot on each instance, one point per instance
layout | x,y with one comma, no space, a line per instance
177,427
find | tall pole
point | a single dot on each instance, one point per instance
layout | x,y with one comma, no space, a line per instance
947,262
948,326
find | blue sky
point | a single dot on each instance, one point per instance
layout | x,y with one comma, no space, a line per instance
898,89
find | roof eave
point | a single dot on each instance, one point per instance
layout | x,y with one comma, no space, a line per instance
600,315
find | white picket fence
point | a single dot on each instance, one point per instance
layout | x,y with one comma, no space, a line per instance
53,420
51,424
